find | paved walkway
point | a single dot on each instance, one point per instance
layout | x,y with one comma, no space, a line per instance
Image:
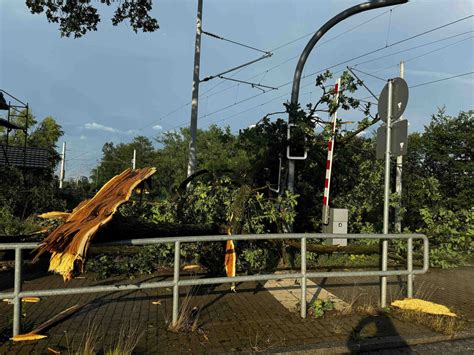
249,320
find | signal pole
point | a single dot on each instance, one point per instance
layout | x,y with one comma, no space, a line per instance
63,161
398,177
192,161
134,159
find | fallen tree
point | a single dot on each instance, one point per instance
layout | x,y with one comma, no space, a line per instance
68,244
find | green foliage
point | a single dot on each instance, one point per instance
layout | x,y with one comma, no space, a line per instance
117,158
219,202
147,260
33,190
245,211
254,257
451,235
79,17
234,192
319,307
11,225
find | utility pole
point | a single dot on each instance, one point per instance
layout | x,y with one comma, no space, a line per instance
134,159
383,279
398,177
192,160
63,160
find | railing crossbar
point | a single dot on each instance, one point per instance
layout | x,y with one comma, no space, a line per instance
177,282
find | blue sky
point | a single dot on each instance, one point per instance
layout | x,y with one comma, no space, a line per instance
113,84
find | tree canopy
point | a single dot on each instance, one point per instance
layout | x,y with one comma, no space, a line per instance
76,18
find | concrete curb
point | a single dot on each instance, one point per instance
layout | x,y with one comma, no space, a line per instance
390,342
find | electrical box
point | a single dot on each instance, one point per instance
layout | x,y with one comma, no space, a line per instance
338,219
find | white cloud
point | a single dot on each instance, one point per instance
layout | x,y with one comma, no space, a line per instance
82,137
100,127
132,131
361,134
157,127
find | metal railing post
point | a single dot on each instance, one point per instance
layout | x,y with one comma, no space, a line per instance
410,268
16,291
303,277
17,294
177,254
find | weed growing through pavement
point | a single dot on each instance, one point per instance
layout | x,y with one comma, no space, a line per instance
319,307
129,337
256,344
439,323
91,342
188,316
425,291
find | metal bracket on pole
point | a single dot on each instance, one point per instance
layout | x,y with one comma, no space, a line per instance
288,154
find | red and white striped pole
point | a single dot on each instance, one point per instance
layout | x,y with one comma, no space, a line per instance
327,182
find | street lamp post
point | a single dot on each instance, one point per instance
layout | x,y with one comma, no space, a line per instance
375,4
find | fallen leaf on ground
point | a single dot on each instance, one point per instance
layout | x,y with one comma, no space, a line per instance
28,336
54,351
31,299
414,304
191,267
156,302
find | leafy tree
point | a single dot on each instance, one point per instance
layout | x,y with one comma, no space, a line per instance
440,160
78,17
218,151
267,141
117,158
24,191
77,190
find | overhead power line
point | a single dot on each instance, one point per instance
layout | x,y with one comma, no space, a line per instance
344,62
256,85
418,46
265,56
339,64
333,38
298,55
347,61
234,42
274,67
433,29
363,99
444,79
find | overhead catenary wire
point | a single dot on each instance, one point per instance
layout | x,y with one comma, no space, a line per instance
444,79
418,56
340,63
317,46
265,56
275,66
234,42
368,61
248,83
335,37
368,74
346,61
363,99
418,46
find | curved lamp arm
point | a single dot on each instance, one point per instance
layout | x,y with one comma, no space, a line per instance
326,27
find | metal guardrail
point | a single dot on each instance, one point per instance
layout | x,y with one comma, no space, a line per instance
18,294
